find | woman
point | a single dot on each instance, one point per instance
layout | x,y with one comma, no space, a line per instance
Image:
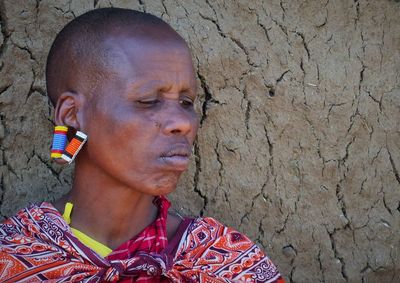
123,80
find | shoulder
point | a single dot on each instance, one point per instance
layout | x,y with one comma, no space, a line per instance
211,249
26,221
37,231
207,232
34,211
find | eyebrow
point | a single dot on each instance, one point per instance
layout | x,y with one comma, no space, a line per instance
143,86
159,85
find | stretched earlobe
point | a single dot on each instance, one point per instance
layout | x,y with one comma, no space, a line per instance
68,112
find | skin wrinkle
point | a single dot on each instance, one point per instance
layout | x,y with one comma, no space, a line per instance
130,127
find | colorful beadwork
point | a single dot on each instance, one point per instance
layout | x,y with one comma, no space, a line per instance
59,141
74,147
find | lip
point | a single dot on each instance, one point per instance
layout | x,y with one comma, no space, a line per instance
177,157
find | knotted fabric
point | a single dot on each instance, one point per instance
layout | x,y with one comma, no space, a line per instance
37,245
143,265
139,258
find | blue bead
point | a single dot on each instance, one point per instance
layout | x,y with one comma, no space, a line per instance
59,142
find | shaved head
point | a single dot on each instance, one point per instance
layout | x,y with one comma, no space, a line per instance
80,59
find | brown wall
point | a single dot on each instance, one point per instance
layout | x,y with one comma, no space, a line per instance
299,145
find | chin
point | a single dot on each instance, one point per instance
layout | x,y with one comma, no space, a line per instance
164,185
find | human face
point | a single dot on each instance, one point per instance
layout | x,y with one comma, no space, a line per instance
141,123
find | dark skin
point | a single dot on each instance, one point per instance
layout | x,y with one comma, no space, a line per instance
141,125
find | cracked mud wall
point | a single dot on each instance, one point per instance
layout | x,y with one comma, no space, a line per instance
299,144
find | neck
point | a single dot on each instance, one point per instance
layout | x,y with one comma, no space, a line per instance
107,210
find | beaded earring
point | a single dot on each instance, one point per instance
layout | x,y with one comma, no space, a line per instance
60,150
74,146
59,141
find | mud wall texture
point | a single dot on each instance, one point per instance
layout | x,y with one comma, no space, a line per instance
299,145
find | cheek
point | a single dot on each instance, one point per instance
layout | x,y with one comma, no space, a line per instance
131,134
107,127
113,119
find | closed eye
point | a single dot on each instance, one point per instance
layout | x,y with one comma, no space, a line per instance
186,102
148,102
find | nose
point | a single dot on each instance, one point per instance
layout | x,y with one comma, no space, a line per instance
178,120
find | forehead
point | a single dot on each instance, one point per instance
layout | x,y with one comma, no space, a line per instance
138,49
135,57
140,65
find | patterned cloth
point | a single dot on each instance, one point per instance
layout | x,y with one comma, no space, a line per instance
37,245
153,239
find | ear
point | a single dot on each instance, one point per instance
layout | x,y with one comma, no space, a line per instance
68,110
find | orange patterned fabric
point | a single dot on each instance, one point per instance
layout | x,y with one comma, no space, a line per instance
211,252
37,245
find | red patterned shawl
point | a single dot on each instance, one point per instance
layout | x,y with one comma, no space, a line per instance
37,245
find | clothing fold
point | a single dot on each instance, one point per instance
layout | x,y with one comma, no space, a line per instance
37,245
